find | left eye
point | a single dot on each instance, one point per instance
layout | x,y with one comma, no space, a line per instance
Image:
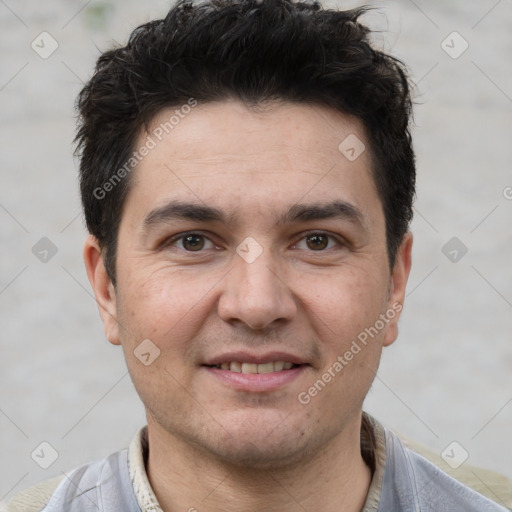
318,241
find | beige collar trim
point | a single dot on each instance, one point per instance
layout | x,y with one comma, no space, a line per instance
144,494
147,501
374,492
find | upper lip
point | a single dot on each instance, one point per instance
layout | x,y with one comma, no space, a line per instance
246,357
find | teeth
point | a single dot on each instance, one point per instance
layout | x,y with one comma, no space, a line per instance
249,368
278,366
265,368
238,367
235,366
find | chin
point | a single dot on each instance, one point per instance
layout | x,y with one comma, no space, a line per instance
270,443
260,454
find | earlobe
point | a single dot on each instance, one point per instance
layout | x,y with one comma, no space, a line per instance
398,284
103,288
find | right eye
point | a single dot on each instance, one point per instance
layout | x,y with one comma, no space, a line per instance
189,242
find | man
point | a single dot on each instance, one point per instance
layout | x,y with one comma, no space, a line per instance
247,177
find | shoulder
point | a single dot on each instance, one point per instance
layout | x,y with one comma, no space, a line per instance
103,485
408,476
411,476
491,484
35,498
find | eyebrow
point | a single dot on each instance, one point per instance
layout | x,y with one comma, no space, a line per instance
179,210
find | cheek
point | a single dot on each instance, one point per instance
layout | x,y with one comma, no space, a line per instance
150,308
164,305
347,301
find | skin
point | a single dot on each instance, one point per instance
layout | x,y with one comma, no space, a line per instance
213,447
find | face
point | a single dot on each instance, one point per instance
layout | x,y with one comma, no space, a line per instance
252,259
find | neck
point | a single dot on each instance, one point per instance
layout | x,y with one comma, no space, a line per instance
186,478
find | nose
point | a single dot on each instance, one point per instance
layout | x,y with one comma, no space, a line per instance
256,294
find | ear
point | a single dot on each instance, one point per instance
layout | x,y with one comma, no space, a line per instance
104,290
398,283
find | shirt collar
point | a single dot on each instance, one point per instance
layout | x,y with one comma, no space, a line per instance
137,457
373,449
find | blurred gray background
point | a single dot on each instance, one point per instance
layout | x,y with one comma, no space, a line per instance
447,378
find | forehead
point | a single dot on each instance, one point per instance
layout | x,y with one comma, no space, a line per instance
230,130
254,159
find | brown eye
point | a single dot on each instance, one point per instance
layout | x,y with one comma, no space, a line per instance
188,243
317,241
193,242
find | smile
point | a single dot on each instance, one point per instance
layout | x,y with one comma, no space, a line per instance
248,368
256,378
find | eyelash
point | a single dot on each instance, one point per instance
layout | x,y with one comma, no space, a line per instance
169,242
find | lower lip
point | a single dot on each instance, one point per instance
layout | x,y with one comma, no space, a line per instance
257,381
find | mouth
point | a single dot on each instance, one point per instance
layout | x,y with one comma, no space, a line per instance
246,372
253,368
